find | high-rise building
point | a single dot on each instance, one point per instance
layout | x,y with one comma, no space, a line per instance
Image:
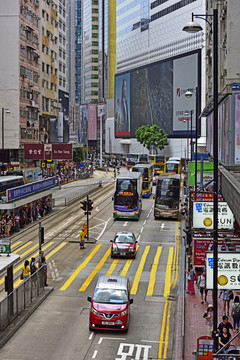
19,63
49,43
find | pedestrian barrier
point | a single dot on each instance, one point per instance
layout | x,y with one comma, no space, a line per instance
21,297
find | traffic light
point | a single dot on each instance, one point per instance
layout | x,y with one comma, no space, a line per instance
84,205
42,235
90,205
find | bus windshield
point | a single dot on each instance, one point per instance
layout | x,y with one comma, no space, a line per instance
172,167
143,171
126,187
167,194
126,203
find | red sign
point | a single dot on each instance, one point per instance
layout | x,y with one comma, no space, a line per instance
205,197
92,121
34,151
61,151
48,151
201,245
205,348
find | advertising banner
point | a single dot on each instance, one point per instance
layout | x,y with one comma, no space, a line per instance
92,121
237,129
201,246
207,173
48,151
228,271
25,190
122,105
203,215
83,125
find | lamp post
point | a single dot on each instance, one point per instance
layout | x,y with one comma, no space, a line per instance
193,27
187,121
188,95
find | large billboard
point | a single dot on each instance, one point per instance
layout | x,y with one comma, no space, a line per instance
92,122
155,94
237,129
83,125
48,151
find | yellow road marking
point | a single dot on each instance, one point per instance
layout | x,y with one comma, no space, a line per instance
167,331
126,266
29,250
139,271
102,174
162,331
29,259
153,272
94,272
15,244
80,267
112,267
167,286
177,257
22,247
97,173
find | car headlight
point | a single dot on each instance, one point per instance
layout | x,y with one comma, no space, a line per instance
131,250
95,311
123,312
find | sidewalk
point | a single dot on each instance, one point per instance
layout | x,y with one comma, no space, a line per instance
195,323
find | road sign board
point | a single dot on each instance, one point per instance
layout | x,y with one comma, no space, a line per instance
5,246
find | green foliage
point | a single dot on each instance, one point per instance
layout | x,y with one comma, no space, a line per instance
149,135
78,154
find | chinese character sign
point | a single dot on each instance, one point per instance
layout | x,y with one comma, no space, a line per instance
203,215
228,271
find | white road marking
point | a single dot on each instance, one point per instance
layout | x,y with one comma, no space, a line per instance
144,222
109,338
125,224
94,354
138,237
162,226
90,337
103,228
141,230
97,209
151,341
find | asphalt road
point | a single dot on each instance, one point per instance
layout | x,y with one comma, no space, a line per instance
59,327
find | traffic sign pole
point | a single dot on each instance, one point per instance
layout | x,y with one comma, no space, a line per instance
87,218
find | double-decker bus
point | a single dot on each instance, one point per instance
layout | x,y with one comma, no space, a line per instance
147,173
159,163
127,196
133,159
173,167
8,182
167,199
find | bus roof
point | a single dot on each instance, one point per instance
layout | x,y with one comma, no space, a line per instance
112,282
129,175
169,176
142,166
172,162
174,159
10,178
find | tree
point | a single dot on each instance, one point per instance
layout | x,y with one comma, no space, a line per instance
152,135
78,154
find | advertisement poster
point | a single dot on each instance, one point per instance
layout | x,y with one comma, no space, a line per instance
83,125
92,121
122,105
237,129
226,131
228,271
220,123
210,134
201,246
203,215
207,173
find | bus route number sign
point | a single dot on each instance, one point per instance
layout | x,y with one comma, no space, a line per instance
5,246
126,193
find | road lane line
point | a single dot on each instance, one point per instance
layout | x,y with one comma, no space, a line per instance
94,354
90,337
167,286
29,250
29,259
167,331
15,244
95,271
127,265
139,271
153,272
59,247
112,267
80,267
162,331
102,174
22,247
103,228
177,258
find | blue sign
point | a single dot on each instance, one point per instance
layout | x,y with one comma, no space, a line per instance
26,190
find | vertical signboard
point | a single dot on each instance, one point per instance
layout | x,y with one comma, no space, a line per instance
122,105
237,129
92,122
226,131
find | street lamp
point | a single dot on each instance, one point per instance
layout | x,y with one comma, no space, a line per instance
188,95
193,27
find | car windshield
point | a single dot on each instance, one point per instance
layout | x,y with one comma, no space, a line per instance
110,296
124,239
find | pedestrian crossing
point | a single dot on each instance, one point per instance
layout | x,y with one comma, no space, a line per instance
150,263
104,174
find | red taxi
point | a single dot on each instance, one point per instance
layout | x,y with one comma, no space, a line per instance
124,244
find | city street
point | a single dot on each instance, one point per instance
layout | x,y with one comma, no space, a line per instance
59,328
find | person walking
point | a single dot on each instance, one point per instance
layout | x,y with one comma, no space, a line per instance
226,323
208,316
224,338
44,264
202,286
191,277
235,313
26,273
227,295
33,269
81,239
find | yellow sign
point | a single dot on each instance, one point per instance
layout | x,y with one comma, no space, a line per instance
43,164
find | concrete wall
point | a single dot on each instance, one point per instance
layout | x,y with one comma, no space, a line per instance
9,76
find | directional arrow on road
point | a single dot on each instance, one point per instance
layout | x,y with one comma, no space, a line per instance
162,226
125,224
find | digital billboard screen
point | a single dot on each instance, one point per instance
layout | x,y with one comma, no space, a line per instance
155,94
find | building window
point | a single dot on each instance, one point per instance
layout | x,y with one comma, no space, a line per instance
23,133
43,67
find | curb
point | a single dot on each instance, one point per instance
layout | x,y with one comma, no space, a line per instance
11,329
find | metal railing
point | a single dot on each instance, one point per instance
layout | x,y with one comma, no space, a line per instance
21,298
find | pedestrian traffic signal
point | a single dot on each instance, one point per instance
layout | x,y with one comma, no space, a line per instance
84,205
90,205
